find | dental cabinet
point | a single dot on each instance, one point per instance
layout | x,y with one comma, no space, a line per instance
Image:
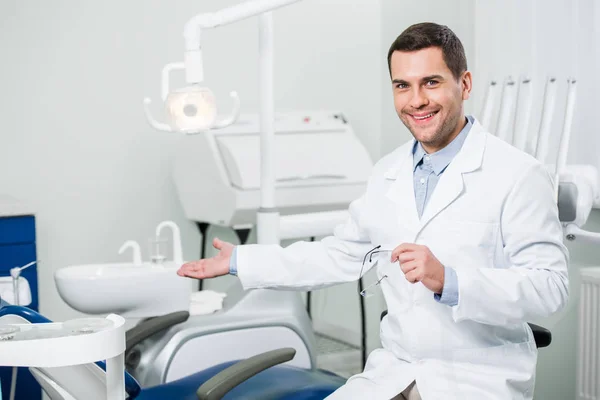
17,248
320,167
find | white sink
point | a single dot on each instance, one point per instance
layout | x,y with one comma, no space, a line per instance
130,290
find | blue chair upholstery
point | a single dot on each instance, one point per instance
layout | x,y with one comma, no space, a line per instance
277,383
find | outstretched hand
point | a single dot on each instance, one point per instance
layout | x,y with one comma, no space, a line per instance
209,267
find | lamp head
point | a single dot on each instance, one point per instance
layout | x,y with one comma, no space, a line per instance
191,109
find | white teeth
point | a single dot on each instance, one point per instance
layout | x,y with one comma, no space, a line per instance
426,116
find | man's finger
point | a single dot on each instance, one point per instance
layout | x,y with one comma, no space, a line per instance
403,248
194,267
407,256
414,276
217,243
408,266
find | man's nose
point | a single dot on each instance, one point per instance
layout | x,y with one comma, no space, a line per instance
418,99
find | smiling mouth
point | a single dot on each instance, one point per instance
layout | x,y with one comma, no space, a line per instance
423,117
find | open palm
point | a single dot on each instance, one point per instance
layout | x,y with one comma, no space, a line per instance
209,267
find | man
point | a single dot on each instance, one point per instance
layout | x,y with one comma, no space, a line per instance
465,233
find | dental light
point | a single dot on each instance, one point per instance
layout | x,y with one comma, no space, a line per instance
192,109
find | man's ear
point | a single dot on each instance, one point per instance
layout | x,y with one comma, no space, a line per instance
466,81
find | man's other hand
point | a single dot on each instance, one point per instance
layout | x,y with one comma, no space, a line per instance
420,265
209,267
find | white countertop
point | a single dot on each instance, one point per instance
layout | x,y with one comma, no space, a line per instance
11,207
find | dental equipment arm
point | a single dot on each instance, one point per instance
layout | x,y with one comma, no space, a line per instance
220,384
16,273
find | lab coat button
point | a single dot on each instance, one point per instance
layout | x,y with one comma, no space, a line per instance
422,181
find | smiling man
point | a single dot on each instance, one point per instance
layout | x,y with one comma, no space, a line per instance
463,230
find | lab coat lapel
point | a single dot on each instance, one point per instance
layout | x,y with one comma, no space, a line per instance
402,191
451,184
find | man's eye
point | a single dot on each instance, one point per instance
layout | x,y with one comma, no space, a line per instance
432,83
401,86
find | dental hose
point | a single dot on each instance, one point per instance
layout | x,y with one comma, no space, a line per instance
16,273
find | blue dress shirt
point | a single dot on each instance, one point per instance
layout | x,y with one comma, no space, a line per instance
427,170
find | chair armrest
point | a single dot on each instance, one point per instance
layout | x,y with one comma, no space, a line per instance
383,314
542,336
151,326
217,386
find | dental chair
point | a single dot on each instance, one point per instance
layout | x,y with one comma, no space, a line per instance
258,377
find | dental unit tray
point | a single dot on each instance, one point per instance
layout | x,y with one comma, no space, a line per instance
76,342
320,167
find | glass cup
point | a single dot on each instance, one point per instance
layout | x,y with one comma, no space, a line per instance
158,250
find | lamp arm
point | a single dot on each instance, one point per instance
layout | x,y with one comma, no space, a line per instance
226,16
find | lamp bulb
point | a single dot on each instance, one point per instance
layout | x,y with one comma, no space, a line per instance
191,109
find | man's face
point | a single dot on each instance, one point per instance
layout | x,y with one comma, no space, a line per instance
427,97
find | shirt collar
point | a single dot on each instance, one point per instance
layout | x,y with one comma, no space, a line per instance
442,158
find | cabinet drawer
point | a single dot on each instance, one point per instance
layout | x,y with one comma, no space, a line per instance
15,230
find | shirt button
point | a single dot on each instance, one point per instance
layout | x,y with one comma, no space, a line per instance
422,181
426,158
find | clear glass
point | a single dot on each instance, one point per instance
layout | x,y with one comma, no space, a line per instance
373,288
157,247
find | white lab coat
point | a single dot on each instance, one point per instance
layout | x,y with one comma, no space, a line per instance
493,218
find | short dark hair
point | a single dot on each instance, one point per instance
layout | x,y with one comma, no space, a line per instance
427,34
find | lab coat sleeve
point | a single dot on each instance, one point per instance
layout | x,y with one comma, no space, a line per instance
308,265
535,282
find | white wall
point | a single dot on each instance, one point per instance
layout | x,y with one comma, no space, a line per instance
75,143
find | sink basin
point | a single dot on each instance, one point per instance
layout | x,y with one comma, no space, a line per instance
130,290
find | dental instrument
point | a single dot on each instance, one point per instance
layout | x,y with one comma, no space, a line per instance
565,138
577,187
542,141
15,273
488,105
507,107
522,137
